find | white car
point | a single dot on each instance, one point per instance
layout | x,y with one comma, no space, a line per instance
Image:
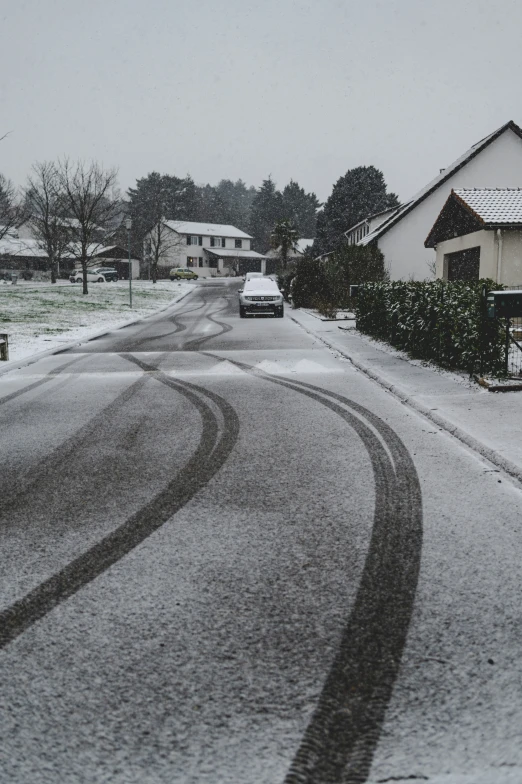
260,295
93,276
251,275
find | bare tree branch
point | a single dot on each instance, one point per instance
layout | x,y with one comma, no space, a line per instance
91,200
46,206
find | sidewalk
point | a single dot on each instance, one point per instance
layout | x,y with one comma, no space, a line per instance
489,423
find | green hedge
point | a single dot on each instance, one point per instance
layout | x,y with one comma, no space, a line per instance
443,322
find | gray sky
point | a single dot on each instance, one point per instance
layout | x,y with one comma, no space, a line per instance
229,89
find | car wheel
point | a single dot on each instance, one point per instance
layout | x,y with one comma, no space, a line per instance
100,280
79,280
195,277
242,312
175,277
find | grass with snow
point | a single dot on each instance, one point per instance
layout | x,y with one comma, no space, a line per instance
40,317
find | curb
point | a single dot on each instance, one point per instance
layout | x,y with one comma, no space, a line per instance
487,452
17,364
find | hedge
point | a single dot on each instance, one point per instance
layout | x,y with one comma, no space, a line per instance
442,322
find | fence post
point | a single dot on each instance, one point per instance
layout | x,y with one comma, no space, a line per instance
483,323
508,324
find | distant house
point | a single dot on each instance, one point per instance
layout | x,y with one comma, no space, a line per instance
478,234
211,249
28,254
366,226
493,162
302,245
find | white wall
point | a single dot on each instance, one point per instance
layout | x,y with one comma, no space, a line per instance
177,254
498,166
511,267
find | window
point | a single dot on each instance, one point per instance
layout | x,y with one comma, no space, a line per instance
217,242
238,244
192,261
194,240
462,265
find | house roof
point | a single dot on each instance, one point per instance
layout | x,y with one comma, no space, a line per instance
369,218
10,246
439,180
300,248
223,253
493,206
206,229
302,245
473,209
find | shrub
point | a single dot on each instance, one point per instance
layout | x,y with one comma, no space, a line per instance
446,323
309,286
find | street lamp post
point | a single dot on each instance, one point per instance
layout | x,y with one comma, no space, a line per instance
128,225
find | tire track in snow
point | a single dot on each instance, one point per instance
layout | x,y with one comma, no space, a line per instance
212,452
342,735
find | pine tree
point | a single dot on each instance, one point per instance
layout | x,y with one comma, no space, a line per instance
267,210
284,237
300,208
359,193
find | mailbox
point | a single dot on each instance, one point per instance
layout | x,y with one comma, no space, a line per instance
504,304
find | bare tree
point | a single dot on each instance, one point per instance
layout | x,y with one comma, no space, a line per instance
91,201
160,243
47,214
12,211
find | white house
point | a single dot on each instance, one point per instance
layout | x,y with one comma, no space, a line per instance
210,248
478,234
301,246
358,232
493,162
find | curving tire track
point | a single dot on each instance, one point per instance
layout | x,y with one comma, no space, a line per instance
196,343
211,454
132,344
340,740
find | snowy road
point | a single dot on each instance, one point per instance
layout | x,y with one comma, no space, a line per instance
228,556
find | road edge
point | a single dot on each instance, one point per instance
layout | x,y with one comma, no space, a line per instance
404,397
21,363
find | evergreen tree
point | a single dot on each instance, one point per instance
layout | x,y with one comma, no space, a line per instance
359,193
284,237
300,209
267,210
211,208
159,196
237,200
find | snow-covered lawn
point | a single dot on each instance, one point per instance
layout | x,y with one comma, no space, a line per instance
41,317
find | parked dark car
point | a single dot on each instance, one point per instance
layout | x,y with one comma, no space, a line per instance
109,273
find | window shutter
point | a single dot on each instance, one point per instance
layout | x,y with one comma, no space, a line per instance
188,239
212,241
200,240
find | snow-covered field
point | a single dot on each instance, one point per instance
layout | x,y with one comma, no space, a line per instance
38,317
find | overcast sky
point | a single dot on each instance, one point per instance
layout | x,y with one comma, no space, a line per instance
241,89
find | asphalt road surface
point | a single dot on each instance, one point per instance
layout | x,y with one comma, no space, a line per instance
227,556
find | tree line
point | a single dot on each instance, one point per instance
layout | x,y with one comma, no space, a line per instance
74,205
